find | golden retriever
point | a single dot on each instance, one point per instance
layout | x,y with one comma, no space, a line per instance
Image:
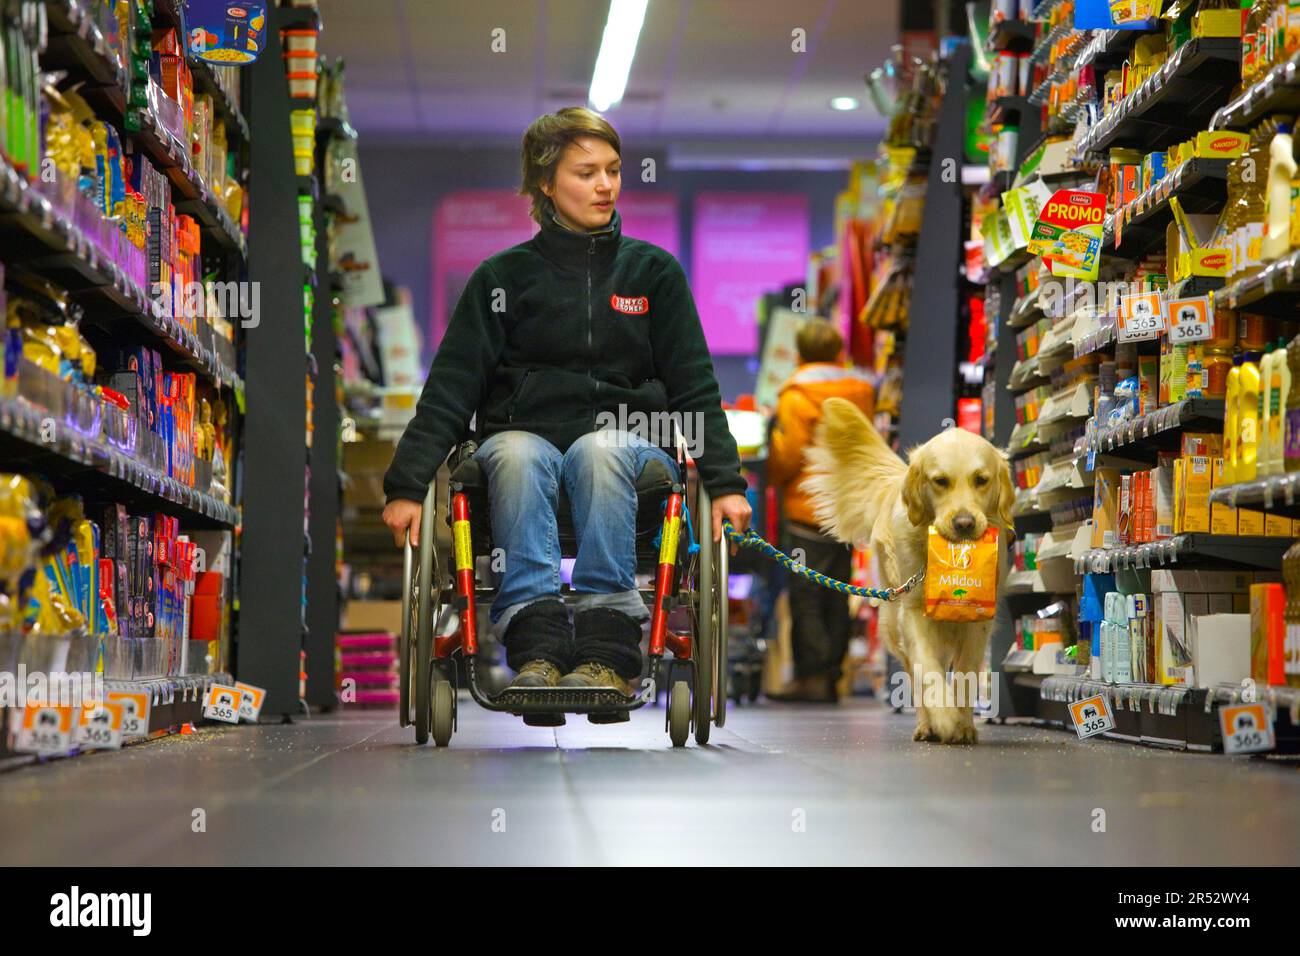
862,493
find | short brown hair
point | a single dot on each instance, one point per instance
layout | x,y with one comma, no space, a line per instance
818,341
545,142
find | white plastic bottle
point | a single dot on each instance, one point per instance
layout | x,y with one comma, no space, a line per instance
1277,206
1277,390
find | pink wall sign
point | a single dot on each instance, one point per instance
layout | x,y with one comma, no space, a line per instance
468,227
651,217
745,244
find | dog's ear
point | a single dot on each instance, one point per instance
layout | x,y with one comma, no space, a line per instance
1006,493
914,497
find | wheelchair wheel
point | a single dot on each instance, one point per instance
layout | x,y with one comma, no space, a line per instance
679,713
704,672
428,607
721,579
444,712
406,644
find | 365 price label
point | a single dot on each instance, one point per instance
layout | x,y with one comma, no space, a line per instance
1190,320
135,712
1141,316
1246,729
99,726
223,703
45,730
251,706
1091,717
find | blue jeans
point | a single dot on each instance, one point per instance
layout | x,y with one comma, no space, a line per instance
598,473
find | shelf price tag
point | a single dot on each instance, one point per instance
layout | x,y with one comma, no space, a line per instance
45,730
99,727
1190,320
1246,729
251,706
223,703
1091,716
1141,317
135,712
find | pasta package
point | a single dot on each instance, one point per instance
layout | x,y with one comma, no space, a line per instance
961,578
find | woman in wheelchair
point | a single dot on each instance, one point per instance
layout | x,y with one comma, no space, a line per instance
577,327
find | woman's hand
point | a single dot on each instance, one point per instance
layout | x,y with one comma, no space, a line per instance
401,514
733,507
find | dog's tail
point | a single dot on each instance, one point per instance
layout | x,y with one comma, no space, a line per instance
852,473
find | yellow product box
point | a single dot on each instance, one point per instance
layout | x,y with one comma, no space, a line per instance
1209,444
1180,471
1295,214
1223,518
1196,494
1221,143
1275,526
1250,523
1211,262
1105,508
1216,23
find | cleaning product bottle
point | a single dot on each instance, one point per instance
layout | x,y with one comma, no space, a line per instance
1251,235
1291,429
1248,402
1281,170
1264,456
1231,422
1279,391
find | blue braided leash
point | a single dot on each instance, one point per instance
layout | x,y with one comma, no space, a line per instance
754,541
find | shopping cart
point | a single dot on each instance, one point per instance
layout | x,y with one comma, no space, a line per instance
688,571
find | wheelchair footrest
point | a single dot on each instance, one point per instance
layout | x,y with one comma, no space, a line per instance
561,700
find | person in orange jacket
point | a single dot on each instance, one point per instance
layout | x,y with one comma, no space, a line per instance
819,616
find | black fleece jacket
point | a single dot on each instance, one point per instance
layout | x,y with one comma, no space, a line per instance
553,332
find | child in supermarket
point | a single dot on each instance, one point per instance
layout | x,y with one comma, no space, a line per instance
578,321
819,616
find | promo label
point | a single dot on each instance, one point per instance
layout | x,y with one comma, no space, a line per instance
99,726
45,730
135,712
668,546
1068,233
1141,316
223,703
463,545
1246,729
1190,320
1091,716
250,708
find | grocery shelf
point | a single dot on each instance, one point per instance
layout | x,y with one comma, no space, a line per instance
1277,92
1112,47
1026,375
1099,337
76,43
1014,261
70,454
1188,550
1043,48
1275,289
1201,185
39,235
1005,106
208,81
1143,437
1278,494
1024,441
1011,35
1170,716
1026,311
1179,97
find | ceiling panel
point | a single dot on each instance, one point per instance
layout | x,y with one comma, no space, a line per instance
426,68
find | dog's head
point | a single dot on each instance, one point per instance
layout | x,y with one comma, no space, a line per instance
959,483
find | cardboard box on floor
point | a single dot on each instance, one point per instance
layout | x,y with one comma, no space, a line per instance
373,616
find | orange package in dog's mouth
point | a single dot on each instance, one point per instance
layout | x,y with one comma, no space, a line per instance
961,578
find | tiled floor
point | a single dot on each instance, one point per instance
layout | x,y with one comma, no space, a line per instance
777,785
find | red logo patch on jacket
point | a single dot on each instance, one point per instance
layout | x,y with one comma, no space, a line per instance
630,305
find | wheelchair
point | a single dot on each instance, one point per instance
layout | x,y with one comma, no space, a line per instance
688,574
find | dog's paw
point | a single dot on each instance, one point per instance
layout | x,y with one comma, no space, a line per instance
924,734
963,734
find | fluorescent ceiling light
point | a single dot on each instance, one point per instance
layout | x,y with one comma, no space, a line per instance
844,103
617,48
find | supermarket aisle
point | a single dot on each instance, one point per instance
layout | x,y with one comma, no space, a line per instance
353,789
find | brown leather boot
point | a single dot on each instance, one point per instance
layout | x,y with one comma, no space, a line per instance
818,689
